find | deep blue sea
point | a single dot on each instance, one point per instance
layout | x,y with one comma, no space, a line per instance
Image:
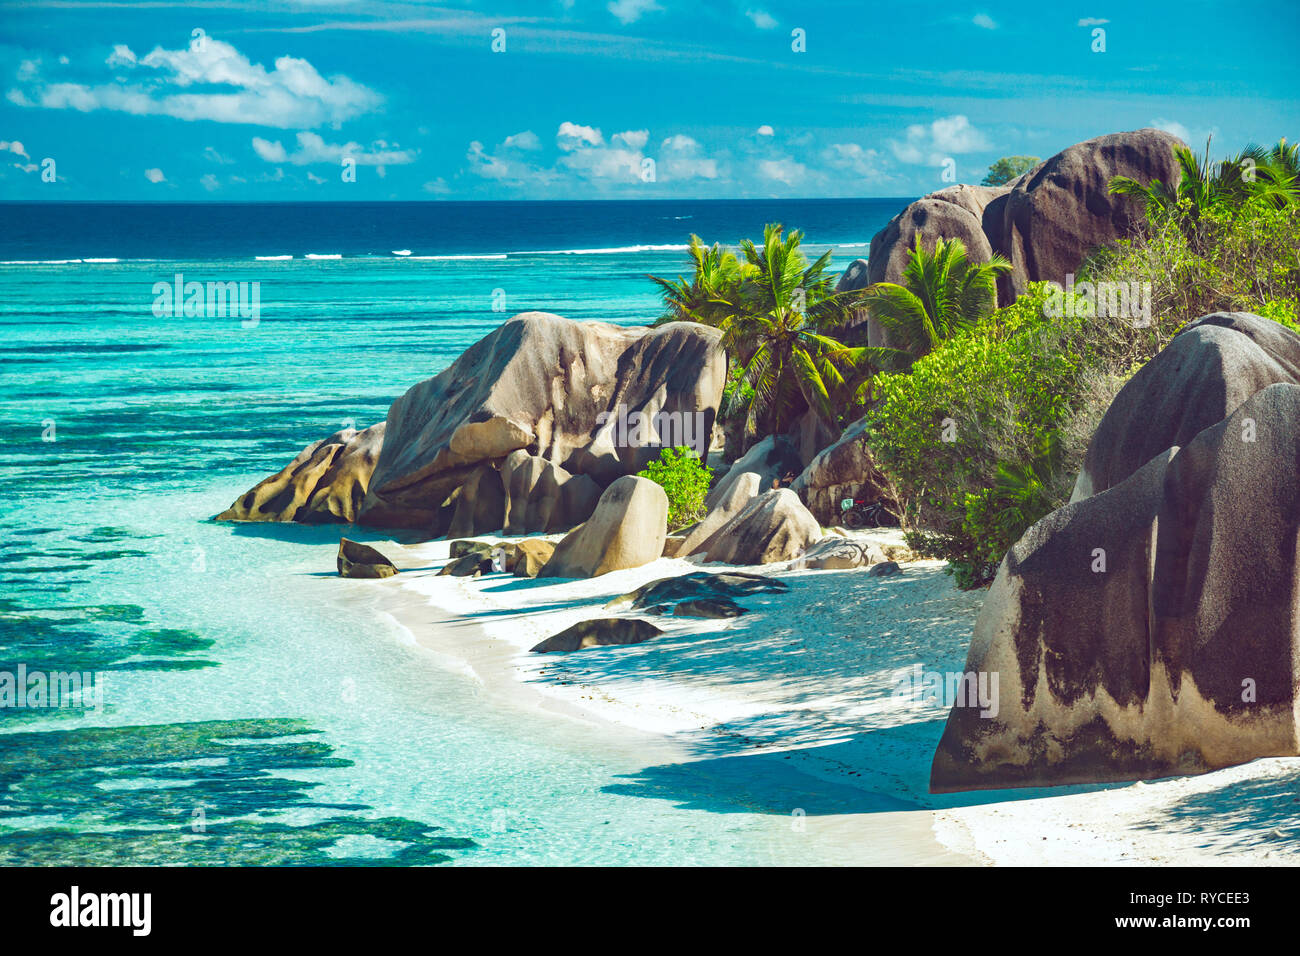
249,714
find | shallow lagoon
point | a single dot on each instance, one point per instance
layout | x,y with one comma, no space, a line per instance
255,709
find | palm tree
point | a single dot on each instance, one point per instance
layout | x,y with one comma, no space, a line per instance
718,273
1203,185
1196,186
942,293
776,311
1276,171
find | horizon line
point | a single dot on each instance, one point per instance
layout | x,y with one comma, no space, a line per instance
433,202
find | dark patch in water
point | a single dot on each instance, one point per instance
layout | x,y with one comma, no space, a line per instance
110,534
95,638
202,793
89,347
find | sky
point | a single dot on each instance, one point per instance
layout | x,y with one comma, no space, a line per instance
247,100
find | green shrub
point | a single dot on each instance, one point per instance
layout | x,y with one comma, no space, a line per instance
969,417
1023,393
1235,258
1283,311
685,480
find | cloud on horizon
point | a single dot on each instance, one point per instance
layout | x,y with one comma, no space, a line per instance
210,80
312,148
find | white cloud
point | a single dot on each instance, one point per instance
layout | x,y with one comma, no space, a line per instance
617,162
762,19
527,140
1173,126
786,171
766,130
210,182
633,138
121,56
856,159
15,147
680,158
1092,21
507,169
166,82
312,148
155,175
437,187
584,155
570,136
984,21
269,151
210,153
621,160
947,136
318,180
629,11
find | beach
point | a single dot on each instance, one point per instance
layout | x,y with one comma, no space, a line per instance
804,683
386,706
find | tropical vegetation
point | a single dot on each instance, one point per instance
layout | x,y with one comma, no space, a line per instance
1008,168
684,479
979,415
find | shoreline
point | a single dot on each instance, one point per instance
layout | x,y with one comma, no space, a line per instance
791,704
484,627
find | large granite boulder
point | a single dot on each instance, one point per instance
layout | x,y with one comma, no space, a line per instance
709,608
626,530
698,585
480,503
602,632
553,387
543,497
325,483
468,565
529,557
771,459
775,526
740,491
1213,365
844,470
810,434
837,553
1045,221
357,560
1148,630
1063,209
952,213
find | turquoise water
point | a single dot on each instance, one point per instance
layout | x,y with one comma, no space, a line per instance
257,708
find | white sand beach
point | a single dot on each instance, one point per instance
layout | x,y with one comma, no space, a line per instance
807,678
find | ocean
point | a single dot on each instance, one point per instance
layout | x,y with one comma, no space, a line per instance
243,711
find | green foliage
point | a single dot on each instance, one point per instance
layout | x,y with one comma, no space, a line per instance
1232,258
776,312
1255,173
943,292
1008,168
1023,491
685,480
1022,392
718,275
964,435
1283,311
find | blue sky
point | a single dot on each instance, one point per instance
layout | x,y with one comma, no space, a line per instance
607,98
